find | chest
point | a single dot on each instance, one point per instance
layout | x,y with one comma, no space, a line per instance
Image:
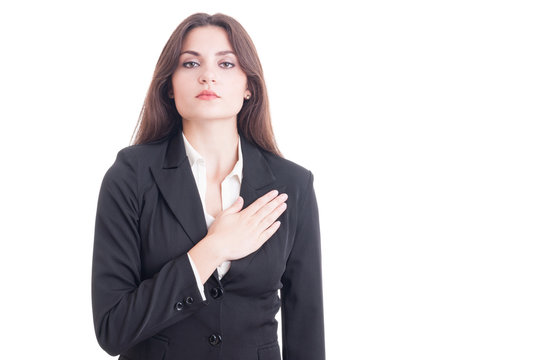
164,236
213,198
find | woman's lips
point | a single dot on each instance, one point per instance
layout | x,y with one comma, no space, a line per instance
207,95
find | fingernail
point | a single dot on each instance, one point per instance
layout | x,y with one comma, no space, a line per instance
275,192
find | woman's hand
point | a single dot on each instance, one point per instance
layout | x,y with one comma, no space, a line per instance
236,234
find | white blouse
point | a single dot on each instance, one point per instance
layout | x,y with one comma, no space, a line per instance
230,189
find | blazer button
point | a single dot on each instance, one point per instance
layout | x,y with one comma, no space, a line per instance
217,292
179,306
189,300
215,339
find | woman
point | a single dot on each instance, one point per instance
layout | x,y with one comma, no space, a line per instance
192,242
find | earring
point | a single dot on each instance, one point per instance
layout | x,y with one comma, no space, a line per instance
247,97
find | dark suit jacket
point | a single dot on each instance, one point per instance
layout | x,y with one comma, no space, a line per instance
145,299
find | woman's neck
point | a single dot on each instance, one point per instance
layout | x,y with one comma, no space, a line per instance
217,142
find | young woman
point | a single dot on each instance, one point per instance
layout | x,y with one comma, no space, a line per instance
193,242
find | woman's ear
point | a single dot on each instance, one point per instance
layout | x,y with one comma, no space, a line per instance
170,90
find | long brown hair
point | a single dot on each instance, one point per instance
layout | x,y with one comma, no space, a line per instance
159,117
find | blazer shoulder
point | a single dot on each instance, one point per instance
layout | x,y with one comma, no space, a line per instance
127,174
131,161
144,154
288,171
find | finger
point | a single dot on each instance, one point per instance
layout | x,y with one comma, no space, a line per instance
260,202
270,207
267,233
269,219
235,207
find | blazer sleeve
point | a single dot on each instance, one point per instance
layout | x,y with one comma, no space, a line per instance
302,309
126,308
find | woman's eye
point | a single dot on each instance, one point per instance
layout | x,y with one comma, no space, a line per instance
190,64
227,64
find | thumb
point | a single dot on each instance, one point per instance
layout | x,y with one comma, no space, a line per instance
235,207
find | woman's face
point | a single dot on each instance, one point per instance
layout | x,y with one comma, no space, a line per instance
207,62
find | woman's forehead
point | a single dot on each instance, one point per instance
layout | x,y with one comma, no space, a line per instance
205,39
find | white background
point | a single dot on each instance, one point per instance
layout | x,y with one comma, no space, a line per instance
421,121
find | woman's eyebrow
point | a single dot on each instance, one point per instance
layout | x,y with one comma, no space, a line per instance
195,53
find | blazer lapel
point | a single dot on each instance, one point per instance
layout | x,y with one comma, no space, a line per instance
257,179
178,186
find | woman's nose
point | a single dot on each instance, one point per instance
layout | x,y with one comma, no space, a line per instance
207,77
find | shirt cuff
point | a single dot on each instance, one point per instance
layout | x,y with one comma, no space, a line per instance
198,279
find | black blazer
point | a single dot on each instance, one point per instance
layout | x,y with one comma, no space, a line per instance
145,299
